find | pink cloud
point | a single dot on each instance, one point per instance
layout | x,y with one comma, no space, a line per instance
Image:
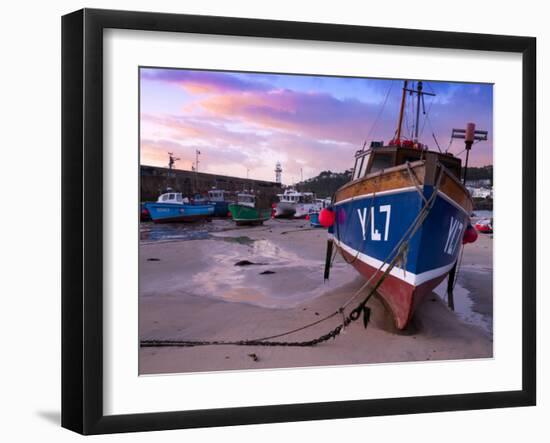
196,127
320,116
202,81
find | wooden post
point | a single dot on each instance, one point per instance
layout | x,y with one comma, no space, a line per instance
450,286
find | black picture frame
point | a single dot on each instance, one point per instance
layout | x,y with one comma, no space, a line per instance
82,218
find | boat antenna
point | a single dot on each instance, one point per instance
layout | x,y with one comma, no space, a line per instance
197,153
419,99
171,160
470,135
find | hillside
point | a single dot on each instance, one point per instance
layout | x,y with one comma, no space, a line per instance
325,184
481,173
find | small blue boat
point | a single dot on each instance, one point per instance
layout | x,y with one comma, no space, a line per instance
217,197
172,207
314,219
314,214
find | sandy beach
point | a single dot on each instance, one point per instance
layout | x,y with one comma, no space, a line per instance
192,289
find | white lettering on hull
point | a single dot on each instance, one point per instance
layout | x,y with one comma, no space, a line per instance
375,234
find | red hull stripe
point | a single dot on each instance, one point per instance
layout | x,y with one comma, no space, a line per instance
399,273
399,297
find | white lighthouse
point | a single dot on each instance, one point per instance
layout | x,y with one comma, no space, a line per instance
278,172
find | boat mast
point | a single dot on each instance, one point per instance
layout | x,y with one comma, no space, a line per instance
419,96
197,153
401,111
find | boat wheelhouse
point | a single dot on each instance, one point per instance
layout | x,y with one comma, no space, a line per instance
217,195
172,198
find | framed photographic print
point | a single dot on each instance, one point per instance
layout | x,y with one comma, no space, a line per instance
269,221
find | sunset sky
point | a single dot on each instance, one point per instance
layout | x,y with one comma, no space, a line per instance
241,121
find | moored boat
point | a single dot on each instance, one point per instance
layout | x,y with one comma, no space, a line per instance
218,198
144,213
402,191
313,218
173,207
248,211
484,226
295,204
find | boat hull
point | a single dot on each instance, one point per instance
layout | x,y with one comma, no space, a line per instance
399,297
285,210
303,209
173,213
246,215
314,220
294,210
144,213
221,209
484,228
369,226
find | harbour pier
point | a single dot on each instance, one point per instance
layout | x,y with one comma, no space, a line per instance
155,179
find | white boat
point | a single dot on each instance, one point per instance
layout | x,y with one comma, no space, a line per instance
296,204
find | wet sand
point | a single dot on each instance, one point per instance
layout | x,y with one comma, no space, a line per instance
192,290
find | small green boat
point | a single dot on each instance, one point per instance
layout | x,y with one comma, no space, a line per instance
245,212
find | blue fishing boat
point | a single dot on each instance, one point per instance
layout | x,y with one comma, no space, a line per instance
218,198
173,207
404,204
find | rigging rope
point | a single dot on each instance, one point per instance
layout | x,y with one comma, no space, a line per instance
371,132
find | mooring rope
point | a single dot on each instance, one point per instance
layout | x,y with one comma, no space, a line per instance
361,308
415,182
